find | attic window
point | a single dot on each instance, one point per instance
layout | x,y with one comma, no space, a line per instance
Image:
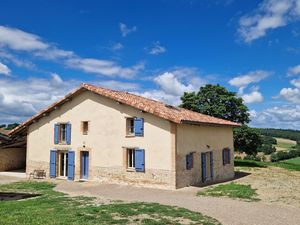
172,107
85,127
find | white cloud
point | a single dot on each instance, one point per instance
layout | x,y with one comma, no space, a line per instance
20,99
19,40
277,117
126,30
253,97
242,81
157,49
16,40
17,61
295,70
117,46
103,67
160,95
170,84
173,84
118,85
55,53
290,94
4,69
296,82
270,14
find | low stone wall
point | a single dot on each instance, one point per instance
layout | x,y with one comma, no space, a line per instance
12,159
34,165
152,178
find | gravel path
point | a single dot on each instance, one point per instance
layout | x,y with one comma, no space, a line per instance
227,211
10,177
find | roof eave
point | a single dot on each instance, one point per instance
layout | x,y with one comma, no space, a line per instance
45,112
210,124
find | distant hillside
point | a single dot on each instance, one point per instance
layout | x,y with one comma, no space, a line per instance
281,133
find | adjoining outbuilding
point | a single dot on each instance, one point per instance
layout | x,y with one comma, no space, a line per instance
12,151
95,133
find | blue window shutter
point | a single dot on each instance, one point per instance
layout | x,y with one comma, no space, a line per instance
187,162
191,160
223,156
56,129
71,165
203,161
229,156
52,163
139,127
211,164
68,133
140,160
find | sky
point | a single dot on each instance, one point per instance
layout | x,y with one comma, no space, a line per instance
158,49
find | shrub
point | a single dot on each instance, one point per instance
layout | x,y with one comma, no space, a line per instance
252,157
267,149
238,157
275,157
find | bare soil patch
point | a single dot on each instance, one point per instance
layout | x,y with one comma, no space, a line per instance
274,185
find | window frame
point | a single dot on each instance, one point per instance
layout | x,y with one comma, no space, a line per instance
226,156
62,164
191,154
85,132
130,132
130,158
60,133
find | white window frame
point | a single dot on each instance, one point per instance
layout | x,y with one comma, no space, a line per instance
130,154
65,169
62,133
130,126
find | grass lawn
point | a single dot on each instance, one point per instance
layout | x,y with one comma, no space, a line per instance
290,164
231,190
52,207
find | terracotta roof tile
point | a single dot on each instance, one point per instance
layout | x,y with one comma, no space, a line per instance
160,109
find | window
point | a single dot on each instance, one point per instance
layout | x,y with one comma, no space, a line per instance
62,133
85,127
226,156
135,159
135,127
63,164
130,126
130,158
189,161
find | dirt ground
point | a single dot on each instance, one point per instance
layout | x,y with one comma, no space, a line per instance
278,188
227,211
274,185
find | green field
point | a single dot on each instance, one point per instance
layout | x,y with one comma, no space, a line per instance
290,164
54,208
284,144
294,161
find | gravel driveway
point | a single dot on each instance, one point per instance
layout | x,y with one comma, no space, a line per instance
10,177
227,211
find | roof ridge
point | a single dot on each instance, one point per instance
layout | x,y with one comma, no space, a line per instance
157,108
126,92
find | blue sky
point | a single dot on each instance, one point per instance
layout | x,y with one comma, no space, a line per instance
157,49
